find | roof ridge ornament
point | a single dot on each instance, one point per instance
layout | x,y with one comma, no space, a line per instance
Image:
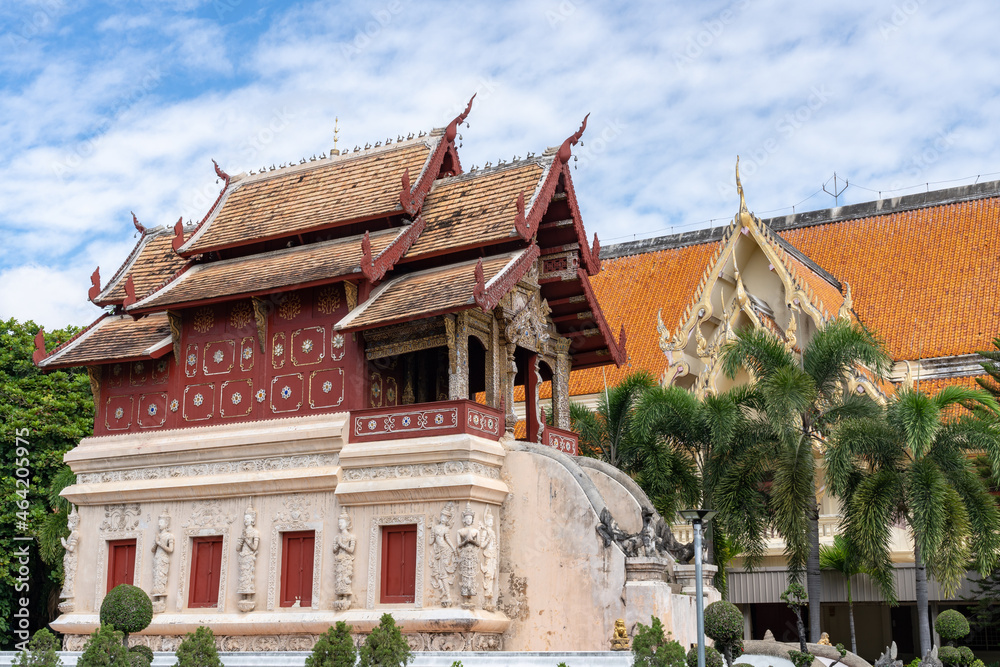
95,284
744,216
39,352
221,174
452,130
129,292
566,150
138,225
178,234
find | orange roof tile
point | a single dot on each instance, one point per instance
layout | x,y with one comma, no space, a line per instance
631,290
312,196
423,294
113,338
259,274
474,208
151,262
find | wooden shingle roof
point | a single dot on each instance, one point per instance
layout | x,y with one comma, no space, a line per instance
152,261
113,338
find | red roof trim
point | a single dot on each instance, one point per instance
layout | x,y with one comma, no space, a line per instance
413,201
225,186
67,343
617,348
375,268
95,284
488,296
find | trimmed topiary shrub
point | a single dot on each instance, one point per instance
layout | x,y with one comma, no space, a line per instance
966,655
127,609
144,651
335,648
104,649
951,625
650,648
41,651
801,659
712,657
724,624
198,649
385,646
949,655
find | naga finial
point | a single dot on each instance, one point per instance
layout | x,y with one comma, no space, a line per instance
739,186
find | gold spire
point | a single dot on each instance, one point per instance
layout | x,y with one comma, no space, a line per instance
336,131
744,214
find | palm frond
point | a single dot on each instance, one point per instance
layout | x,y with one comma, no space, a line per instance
757,350
837,349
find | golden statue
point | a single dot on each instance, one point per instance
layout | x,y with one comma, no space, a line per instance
824,639
619,641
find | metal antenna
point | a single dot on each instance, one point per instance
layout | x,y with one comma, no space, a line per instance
836,192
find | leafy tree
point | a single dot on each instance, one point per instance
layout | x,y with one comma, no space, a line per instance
605,433
127,609
385,646
198,649
991,365
335,648
712,657
803,398
724,624
41,651
841,558
984,613
650,648
912,463
104,649
52,412
144,651
952,625
795,597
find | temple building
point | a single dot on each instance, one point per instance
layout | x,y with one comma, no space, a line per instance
917,270
305,414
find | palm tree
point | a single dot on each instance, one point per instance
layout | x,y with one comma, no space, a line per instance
841,558
605,433
802,398
912,463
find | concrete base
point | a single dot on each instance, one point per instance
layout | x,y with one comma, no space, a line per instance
422,659
685,576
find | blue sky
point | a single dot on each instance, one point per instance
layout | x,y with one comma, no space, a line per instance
111,107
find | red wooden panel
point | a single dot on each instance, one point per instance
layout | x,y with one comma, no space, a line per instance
121,562
297,568
206,564
399,563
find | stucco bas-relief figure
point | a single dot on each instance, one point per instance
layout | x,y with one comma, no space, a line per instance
443,555
468,557
491,553
70,544
163,547
246,547
343,555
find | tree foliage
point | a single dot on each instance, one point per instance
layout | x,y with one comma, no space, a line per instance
651,648
104,649
335,648
712,657
385,646
127,608
41,651
198,649
952,625
53,412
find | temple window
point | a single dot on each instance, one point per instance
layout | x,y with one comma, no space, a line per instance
121,562
206,564
399,561
297,568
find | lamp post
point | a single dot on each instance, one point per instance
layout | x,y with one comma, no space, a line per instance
698,518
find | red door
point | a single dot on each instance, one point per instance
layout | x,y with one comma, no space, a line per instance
206,563
297,568
399,563
121,562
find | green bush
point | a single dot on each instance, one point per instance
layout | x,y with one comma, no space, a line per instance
915,662
800,659
967,656
724,624
949,655
144,651
198,649
978,663
137,660
650,648
104,649
335,648
41,651
712,657
951,625
385,646
127,609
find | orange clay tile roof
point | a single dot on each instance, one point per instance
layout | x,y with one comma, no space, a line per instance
827,294
925,280
630,291
475,208
423,294
152,261
313,196
113,338
258,274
